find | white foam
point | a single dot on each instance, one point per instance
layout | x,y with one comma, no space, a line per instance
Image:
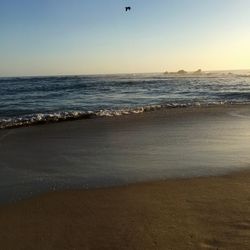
75,115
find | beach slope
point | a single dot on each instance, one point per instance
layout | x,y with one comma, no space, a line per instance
198,213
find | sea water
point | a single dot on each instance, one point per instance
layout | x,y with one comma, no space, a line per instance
32,100
125,149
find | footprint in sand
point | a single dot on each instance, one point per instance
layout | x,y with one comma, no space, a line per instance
211,244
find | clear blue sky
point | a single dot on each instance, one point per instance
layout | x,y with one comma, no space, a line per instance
50,37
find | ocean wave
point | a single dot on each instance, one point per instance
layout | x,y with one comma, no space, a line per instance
45,118
36,119
235,95
26,101
243,75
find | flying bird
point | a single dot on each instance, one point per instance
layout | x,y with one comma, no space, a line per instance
128,8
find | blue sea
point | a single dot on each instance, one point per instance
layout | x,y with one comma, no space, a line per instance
32,100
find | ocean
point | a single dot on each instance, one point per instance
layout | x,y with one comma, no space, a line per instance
188,126
36,100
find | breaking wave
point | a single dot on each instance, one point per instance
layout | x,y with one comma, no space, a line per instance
38,119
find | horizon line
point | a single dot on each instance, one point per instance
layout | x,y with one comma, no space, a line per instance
106,74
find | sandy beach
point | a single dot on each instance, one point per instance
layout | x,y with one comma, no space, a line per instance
173,179
113,151
199,213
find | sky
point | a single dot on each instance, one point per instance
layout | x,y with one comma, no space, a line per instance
68,37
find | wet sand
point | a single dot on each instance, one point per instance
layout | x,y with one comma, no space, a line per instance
171,143
179,211
198,213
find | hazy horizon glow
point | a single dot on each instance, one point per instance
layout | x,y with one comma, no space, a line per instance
52,37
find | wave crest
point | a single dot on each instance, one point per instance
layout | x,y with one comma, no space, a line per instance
36,119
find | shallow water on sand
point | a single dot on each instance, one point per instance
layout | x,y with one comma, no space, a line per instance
116,151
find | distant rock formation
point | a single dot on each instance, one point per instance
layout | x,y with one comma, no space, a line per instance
181,72
198,72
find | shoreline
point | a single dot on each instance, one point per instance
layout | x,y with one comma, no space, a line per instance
196,213
38,119
180,212
116,151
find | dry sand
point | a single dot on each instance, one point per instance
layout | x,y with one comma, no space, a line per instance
200,213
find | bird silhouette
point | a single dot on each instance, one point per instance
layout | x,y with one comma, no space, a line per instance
128,8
